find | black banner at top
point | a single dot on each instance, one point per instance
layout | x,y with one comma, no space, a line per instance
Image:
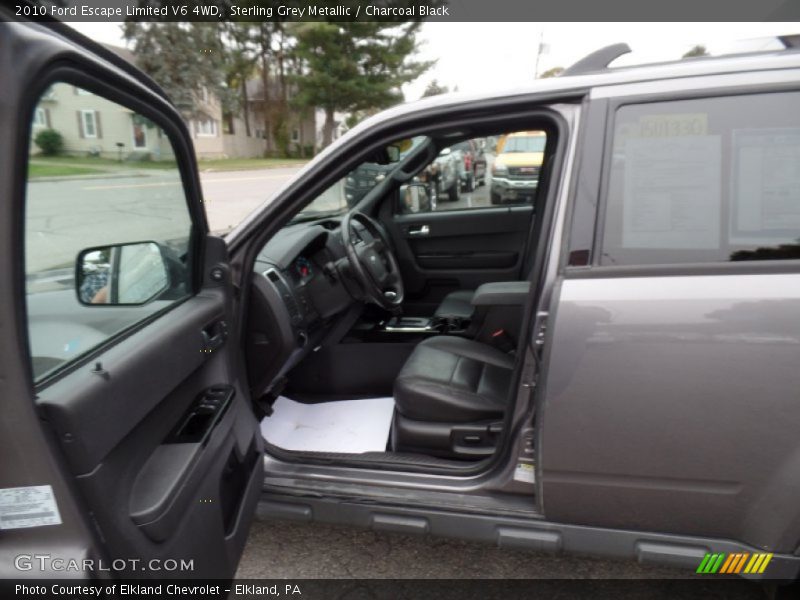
406,10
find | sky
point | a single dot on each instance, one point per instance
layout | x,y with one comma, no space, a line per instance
474,57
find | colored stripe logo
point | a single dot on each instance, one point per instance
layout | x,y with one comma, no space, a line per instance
738,562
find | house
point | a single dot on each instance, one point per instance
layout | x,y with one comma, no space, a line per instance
94,126
91,125
246,133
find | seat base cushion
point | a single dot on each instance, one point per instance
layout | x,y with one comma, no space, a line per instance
454,380
456,305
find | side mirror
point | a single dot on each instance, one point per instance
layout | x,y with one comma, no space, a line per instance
386,155
121,274
414,198
393,153
445,151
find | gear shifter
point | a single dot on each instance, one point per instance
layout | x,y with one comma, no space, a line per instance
391,295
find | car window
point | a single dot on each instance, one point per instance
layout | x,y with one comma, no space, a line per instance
479,173
107,226
351,189
709,180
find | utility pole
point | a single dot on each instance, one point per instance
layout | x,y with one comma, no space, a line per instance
542,49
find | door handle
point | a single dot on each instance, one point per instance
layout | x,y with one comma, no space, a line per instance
214,336
421,230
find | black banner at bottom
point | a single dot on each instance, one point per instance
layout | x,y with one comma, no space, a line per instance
390,589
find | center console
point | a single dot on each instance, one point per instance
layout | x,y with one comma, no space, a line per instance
426,325
496,306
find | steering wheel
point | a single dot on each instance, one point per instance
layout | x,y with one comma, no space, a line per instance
373,262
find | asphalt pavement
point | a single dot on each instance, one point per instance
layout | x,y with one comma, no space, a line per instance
289,550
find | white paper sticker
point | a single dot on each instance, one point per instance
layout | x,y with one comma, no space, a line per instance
672,192
766,207
33,506
524,473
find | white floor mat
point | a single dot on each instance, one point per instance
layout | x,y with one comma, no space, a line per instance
351,426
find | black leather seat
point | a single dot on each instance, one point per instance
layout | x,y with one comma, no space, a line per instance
448,395
456,305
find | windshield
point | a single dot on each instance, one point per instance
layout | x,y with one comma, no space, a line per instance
350,189
525,143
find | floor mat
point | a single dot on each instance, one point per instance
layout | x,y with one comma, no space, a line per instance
351,426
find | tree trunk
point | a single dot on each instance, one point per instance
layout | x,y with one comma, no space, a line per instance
245,107
327,128
265,83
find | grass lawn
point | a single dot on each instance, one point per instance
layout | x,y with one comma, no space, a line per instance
107,164
238,164
101,164
44,170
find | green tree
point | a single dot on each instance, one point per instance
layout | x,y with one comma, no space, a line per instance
554,72
240,66
355,66
434,89
182,58
698,50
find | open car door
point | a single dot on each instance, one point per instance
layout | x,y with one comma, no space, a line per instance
127,434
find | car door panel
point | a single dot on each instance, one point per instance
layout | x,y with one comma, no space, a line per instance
158,469
95,418
156,490
439,252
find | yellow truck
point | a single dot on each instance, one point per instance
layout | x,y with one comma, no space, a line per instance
515,173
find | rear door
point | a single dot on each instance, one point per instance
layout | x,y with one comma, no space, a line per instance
125,415
671,392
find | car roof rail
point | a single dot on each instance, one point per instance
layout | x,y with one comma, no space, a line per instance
790,41
597,60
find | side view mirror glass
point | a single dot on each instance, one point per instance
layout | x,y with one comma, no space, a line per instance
414,198
121,274
393,153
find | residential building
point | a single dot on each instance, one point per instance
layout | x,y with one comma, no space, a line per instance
94,126
91,125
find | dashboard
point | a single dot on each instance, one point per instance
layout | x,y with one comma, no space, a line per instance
300,293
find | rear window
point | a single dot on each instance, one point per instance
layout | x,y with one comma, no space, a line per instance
710,180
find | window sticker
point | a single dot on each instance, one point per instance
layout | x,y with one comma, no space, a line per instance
33,506
766,186
672,192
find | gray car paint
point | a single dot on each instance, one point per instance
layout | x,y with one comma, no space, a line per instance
671,405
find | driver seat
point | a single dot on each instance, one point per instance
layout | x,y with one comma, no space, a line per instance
450,398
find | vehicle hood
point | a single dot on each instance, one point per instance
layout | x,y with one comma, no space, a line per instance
519,159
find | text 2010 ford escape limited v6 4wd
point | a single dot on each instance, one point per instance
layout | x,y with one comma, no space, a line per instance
613,373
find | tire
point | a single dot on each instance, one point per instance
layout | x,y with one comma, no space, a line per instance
454,193
495,198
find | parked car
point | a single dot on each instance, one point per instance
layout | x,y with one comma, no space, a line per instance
622,382
516,168
444,173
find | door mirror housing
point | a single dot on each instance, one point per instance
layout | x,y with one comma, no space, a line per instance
445,151
121,274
